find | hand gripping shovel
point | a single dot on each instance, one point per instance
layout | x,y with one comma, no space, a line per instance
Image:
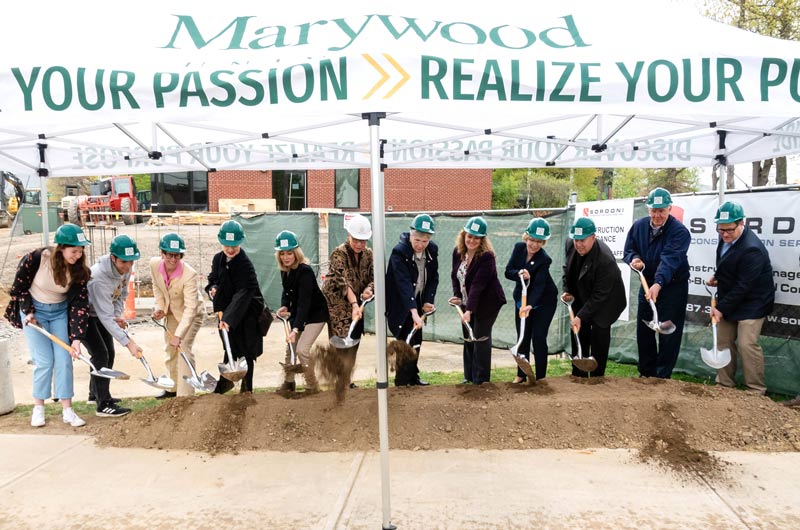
164,382
232,370
416,328
342,343
521,361
665,328
715,358
471,337
108,373
587,364
204,382
293,366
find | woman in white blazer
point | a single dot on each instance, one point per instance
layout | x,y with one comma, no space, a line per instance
179,300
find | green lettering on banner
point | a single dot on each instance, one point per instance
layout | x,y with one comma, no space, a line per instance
193,87
427,78
47,82
258,88
159,88
460,77
277,39
730,80
307,78
27,87
586,80
219,82
272,79
556,95
328,76
411,24
671,80
541,80
492,70
516,95
705,80
572,31
631,78
494,36
120,85
100,95
480,35
238,24
780,76
347,30
795,77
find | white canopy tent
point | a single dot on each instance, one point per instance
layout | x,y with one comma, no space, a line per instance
180,86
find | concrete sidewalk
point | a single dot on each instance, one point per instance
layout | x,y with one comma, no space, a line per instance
66,482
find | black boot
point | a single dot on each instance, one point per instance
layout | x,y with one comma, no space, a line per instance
223,386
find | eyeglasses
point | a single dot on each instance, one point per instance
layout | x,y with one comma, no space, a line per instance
727,230
171,255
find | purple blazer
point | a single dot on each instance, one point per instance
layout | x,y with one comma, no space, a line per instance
484,293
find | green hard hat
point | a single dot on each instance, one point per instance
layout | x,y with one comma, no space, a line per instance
659,198
286,240
582,228
173,243
423,223
729,212
476,226
538,229
124,247
231,234
71,235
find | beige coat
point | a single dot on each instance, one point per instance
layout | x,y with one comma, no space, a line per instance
182,299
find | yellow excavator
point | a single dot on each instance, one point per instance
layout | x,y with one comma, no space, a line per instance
10,204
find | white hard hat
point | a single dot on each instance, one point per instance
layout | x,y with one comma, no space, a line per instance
359,227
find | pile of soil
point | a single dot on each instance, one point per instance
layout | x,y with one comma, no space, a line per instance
672,423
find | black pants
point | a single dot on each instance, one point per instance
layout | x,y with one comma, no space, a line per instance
100,344
478,355
595,341
659,360
537,326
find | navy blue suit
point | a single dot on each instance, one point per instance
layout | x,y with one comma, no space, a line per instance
664,253
542,296
401,285
744,279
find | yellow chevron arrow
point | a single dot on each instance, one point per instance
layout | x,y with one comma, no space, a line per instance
385,75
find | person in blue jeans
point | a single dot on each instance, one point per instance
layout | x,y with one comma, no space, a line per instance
49,291
530,259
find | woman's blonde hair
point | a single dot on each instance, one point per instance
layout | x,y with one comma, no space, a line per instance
299,258
486,245
526,237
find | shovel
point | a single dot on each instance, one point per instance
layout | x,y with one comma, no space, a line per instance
164,382
204,382
715,358
107,373
587,364
521,361
342,343
232,370
471,337
415,328
665,328
293,366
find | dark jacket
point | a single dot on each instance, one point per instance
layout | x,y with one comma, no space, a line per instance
485,295
401,281
303,297
664,256
598,289
744,275
239,298
542,290
21,299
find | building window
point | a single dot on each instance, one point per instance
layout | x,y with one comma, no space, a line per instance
347,186
289,190
185,190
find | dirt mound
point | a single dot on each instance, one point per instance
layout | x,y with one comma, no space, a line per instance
673,423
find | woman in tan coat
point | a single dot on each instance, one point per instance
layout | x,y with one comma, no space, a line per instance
179,300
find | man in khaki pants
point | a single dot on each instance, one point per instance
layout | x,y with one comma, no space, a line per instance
179,300
746,296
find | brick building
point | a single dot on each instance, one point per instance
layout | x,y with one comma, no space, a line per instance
350,189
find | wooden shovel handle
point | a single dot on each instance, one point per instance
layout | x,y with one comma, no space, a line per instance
52,337
645,286
713,307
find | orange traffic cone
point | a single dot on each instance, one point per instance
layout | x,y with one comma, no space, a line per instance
130,302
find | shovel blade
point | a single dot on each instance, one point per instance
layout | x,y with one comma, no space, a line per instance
716,358
205,382
482,339
587,364
342,343
113,374
100,374
666,328
525,366
290,368
235,373
652,324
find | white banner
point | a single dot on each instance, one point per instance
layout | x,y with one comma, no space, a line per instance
613,220
773,218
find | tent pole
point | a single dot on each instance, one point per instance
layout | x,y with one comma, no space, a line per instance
43,193
722,159
378,254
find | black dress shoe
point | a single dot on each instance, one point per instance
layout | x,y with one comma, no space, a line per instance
353,385
223,385
165,394
419,382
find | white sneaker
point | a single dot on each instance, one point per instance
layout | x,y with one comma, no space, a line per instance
37,419
73,419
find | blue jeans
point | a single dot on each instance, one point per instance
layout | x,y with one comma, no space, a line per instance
50,358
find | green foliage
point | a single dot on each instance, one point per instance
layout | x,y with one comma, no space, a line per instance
548,187
142,181
774,18
549,191
506,188
629,182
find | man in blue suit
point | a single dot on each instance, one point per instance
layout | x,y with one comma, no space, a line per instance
746,296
